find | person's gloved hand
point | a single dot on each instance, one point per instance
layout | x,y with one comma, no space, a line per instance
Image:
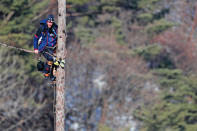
36,51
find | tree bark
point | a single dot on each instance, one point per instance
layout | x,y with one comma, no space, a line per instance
60,79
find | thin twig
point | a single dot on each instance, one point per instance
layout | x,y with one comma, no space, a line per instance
20,49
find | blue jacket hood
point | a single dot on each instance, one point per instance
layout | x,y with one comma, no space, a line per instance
44,22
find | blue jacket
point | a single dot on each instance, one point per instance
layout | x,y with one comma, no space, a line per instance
48,36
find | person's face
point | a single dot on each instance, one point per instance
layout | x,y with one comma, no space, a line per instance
49,24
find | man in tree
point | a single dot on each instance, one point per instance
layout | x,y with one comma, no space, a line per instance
45,41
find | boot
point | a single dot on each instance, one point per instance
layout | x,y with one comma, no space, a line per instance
52,78
56,63
47,75
62,63
59,63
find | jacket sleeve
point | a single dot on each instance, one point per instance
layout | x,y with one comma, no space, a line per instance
36,38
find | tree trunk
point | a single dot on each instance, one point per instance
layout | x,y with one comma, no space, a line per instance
60,82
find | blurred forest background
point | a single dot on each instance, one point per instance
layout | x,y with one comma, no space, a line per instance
132,66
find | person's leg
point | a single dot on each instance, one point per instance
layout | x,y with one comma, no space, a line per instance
44,68
48,54
55,61
49,69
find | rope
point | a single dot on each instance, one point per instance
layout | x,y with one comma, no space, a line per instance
54,106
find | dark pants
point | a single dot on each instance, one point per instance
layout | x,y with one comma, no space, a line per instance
48,53
46,69
43,67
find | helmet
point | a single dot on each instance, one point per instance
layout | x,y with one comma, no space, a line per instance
50,18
